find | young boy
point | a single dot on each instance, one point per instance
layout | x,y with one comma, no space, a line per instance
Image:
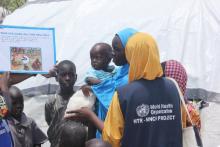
73,134
25,132
101,56
56,105
97,143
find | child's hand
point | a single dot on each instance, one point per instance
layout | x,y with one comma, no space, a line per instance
52,72
86,89
93,81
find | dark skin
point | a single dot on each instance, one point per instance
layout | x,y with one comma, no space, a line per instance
119,59
17,101
100,56
66,76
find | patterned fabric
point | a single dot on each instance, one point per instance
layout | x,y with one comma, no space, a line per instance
3,107
175,70
100,74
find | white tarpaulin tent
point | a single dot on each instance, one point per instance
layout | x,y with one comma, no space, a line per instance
187,31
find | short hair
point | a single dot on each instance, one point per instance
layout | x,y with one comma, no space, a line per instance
66,62
15,92
105,46
97,143
73,134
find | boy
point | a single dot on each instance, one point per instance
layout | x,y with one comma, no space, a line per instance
25,132
73,134
97,143
100,55
56,105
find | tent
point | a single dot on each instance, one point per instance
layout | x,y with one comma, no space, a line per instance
187,31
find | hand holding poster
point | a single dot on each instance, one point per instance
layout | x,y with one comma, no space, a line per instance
27,49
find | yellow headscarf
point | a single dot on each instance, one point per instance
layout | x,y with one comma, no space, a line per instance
143,57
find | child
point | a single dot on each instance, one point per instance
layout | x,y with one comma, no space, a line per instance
100,55
56,105
25,132
97,143
73,134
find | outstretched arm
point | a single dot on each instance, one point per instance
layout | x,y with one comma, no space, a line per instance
86,114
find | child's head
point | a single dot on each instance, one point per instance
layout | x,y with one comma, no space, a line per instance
66,74
97,143
73,134
100,55
17,101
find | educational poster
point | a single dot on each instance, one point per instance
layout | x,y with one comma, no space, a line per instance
27,49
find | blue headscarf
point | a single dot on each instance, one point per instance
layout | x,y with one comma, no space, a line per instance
125,34
106,89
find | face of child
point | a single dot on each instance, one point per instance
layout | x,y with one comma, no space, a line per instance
119,57
100,57
17,102
66,76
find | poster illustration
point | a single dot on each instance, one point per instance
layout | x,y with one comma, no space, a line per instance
29,59
27,49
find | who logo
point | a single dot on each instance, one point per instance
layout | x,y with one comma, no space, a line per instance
143,110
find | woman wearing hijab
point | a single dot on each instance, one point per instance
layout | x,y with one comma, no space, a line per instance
143,112
105,90
175,70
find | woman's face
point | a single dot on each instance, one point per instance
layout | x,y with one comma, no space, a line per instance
119,57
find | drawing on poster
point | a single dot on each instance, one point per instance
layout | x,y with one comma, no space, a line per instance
26,58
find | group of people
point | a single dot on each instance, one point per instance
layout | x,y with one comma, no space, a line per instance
137,104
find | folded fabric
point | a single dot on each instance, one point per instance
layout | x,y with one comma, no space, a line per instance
78,100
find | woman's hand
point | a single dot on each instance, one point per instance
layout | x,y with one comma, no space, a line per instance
83,114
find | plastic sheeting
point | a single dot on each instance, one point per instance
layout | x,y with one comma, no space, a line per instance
188,31
210,130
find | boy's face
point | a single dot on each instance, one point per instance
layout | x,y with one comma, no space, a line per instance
100,57
119,57
17,102
66,76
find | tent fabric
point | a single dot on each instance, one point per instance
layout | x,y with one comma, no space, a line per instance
187,31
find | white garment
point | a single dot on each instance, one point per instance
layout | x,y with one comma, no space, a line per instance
78,100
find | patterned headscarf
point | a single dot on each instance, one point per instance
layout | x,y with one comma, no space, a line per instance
175,70
143,57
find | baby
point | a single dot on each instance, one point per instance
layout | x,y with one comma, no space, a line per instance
101,56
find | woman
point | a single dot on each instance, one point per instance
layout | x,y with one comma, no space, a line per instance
132,120
175,70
